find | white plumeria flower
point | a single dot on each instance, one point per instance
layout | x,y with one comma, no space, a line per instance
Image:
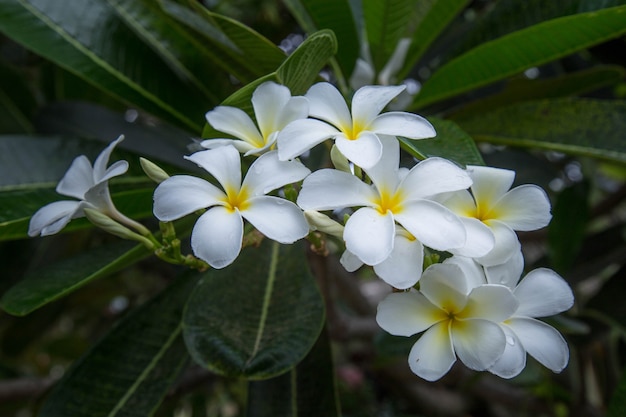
356,133
494,206
457,320
89,185
370,232
541,293
217,235
402,268
274,108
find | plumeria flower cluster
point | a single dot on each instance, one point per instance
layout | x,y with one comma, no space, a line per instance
470,306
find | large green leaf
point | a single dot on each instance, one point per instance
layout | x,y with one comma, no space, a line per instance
298,72
522,89
238,49
451,143
517,51
17,102
307,390
617,405
52,282
129,372
432,18
337,16
585,127
89,39
385,24
258,317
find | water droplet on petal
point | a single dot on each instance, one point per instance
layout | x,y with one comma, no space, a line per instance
510,341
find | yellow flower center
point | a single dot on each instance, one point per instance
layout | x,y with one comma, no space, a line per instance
237,200
389,201
353,132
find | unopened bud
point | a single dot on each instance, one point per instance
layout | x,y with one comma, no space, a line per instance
153,171
322,223
109,225
339,161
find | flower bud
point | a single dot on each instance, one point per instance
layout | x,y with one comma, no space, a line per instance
153,171
323,223
109,225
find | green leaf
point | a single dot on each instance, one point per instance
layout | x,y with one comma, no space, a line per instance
52,282
517,51
17,102
522,89
298,73
617,405
586,127
105,52
386,23
307,390
433,17
231,45
256,318
451,143
567,229
129,372
335,15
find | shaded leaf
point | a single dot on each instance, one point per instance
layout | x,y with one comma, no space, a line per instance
89,39
594,128
335,15
433,17
129,372
523,89
256,318
517,51
451,143
617,405
308,390
17,102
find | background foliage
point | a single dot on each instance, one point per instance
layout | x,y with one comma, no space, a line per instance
94,326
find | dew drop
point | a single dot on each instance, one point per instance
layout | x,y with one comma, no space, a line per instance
510,341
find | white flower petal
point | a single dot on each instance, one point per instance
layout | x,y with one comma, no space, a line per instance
296,108
473,272
350,261
363,74
507,273
235,122
370,100
478,343
543,293
365,151
267,173
268,100
506,246
369,235
100,164
489,184
223,163
240,145
404,124
491,302
327,103
513,359
52,217
460,202
117,168
433,176
99,197
181,195
217,235
446,286
433,224
277,218
328,189
479,241
407,313
78,179
385,173
301,135
526,207
403,268
432,355
542,342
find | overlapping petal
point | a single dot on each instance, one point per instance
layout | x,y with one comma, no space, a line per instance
370,100
78,178
434,176
301,135
369,235
216,236
223,163
513,359
491,302
407,313
478,343
404,124
542,342
53,217
326,103
365,151
268,173
181,195
403,267
100,170
479,240
526,207
433,354
268,100
277,218
235,122
328,189
543,293
489,184
506,245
